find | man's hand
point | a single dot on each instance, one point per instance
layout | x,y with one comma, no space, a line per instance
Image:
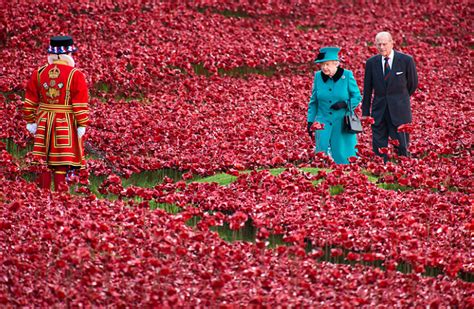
81,131
339,105
31,127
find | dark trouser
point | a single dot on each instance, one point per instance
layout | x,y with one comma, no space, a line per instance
382,131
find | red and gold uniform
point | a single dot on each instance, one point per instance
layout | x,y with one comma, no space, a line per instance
57,100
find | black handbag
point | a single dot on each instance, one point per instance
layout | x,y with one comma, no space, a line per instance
352,123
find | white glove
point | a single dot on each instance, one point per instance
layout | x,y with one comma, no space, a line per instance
81,131
31,127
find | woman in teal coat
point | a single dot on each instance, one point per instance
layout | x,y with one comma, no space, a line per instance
335,93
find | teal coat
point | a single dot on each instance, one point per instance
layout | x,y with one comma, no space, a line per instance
327,91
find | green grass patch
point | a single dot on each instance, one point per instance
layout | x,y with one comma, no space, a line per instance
370,176
235,14
94,184
192,222
247,233
145,179
169,208
335,190
386,186
309,27
30,177
102,86
227,13
149,179
16,151
174,67
393,186
199,69
221,179
226,179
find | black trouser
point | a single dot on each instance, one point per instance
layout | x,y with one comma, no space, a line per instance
382,131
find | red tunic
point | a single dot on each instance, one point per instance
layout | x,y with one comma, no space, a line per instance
56,99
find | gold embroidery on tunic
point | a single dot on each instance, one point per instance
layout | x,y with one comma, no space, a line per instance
52,93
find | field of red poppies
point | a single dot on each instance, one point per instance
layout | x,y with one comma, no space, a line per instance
208,87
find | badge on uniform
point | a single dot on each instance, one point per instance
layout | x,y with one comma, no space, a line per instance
54,72
53,92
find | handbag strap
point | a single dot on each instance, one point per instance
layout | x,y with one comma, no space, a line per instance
349,101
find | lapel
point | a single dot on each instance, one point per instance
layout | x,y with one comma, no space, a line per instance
378,70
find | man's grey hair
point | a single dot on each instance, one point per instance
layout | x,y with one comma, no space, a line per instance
383,34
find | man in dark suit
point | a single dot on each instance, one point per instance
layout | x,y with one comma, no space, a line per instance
391,77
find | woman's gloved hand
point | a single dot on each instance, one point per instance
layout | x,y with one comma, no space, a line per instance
31,127
339,105
81,131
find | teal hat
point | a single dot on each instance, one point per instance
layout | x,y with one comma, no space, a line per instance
328,54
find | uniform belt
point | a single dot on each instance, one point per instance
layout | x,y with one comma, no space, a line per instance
56,108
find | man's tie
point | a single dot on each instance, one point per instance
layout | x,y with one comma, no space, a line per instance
386,68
